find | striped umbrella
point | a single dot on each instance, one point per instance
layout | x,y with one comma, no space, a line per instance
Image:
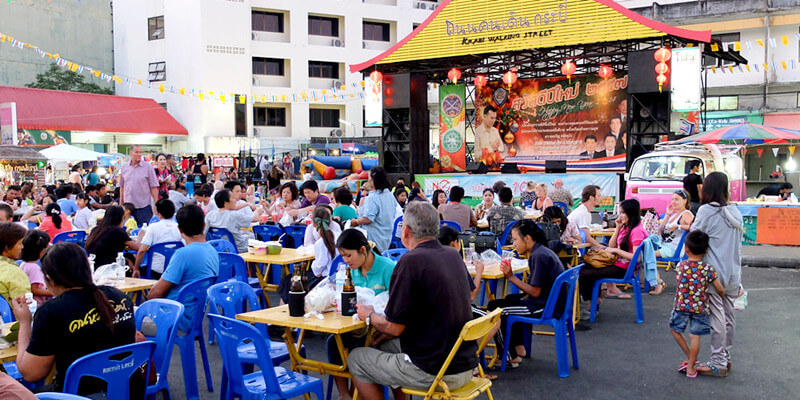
744,133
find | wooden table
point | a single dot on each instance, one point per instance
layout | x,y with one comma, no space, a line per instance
574,254
134,286
284,259
334,323
10,353
491,275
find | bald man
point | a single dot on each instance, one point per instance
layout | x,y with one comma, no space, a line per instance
561,194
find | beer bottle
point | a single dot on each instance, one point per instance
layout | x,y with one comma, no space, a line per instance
304,276
349,298
297,295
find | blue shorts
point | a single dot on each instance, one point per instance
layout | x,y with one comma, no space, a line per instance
698,323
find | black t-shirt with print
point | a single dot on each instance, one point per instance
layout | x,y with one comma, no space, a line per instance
69,327
430,294
106,247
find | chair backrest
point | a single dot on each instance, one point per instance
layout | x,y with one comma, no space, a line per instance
6,313
563,206
78,237
451,224
230,334
679,253
32,225
59,396
398,222
565,281
153,220
232,266
504,238
337,261
527,204
114,366
165,314
395,254
231,298
194,294
633,267
223,246
267,232
296,232
166,249
136,231
220,233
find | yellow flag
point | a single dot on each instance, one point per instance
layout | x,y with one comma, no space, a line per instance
182,91
737,46
242,99
263,99
117,79
96,73
765,66
138,81
283,98
201,96
2,37
748,67
303,95
74,67
791,149
714,47
783,64
730,68
161,88
222,97
324,92
785,40
714,69
760,42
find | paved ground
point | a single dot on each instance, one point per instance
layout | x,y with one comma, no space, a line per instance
620,359
771,256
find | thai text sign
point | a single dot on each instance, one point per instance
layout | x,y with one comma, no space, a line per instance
685,76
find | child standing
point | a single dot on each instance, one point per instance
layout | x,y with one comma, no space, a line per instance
130,222
84,214
691,300
34,244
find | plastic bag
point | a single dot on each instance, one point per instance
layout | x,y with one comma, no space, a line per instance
740,302
321,298
348,225
286,220
110,274
367,297
490,258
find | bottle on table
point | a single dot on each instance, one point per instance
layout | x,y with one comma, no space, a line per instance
297,296
349,297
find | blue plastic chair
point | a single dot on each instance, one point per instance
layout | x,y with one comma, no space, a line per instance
77,237
32,225
337,261
194,292
153,220
395,254
451,224
220,233
115,366
166,249
6,313
527,204
136,232
677,257
631,278
269,382
59,396
504,238
562,325
233,266
563,206
165,314
396,242
296,233
267,232
223,246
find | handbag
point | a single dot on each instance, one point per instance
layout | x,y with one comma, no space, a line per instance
599,258
650,223
482,240
551,230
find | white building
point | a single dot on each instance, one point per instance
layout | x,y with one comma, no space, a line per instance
256,48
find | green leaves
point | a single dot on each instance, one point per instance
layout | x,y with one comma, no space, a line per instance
56,78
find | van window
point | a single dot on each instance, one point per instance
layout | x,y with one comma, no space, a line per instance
662,168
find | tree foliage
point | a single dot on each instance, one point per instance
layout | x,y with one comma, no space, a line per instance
57,78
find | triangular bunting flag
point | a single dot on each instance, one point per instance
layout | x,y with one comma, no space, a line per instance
759,152
791,149
760,42
785,40
775,151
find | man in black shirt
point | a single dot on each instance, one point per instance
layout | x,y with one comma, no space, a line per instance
429,303
692,183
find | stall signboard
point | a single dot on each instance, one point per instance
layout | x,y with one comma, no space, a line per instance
778,226
227,162
685,85
8,123
373,103
43,138
552,119
452,128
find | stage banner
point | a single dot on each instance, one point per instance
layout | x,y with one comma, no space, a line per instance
452,128
552,119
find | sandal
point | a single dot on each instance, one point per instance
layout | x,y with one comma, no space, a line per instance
712,370
685,365
514,364
620,296
657,289
486,375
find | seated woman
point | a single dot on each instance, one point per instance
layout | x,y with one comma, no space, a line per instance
628,234
675,223
287,201
544,269
500,216
106,316
54,223
542,201
569,231
109,238
38,207
368,270
486,205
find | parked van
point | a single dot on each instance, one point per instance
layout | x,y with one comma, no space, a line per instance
655,176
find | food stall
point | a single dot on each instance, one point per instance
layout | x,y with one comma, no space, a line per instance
21,164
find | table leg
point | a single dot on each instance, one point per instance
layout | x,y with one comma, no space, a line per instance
301,363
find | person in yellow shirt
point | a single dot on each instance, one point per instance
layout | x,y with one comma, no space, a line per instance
13,280
130,222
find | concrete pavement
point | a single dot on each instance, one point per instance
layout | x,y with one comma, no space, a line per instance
771,256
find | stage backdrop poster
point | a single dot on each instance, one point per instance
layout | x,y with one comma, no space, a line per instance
373,103
552,119
452,128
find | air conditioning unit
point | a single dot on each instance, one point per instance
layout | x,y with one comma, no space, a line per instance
338,84
432,6
364,45
336,133
337,43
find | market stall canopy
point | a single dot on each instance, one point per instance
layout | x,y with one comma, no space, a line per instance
20,153
67,153
744,133
475,28
71,111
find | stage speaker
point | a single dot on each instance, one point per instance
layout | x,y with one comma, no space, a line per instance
477,168
509,168
555,166
642,73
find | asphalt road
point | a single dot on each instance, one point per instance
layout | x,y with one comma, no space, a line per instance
620,359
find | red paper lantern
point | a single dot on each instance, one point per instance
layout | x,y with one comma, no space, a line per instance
662,68
376,76
454,74
663,54
661,79
509,78
568,69
605,71
480,80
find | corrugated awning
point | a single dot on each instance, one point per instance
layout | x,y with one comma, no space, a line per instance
73,111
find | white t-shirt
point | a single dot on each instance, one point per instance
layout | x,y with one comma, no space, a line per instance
581,217
233,222
165,230
312,235
246,211
82,218
321,265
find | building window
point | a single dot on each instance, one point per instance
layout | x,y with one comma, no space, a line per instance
322,69
323,26
267,21
240,115
267,66
269,116
377,31
725,41
324,118
163,105
722,103
157,71
414,26
155,28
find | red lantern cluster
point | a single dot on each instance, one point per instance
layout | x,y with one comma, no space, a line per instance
376,76
480,80
509,78
454,75
662,55
569,69
605,71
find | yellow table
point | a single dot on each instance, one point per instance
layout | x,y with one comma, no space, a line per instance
493,273
334,323
284,259
134,286
574,254
602,233
10,353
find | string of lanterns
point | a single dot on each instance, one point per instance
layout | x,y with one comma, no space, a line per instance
662,55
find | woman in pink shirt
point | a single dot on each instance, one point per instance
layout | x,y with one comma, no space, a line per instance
627,236
54,223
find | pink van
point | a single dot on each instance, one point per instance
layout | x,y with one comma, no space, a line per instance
655,176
